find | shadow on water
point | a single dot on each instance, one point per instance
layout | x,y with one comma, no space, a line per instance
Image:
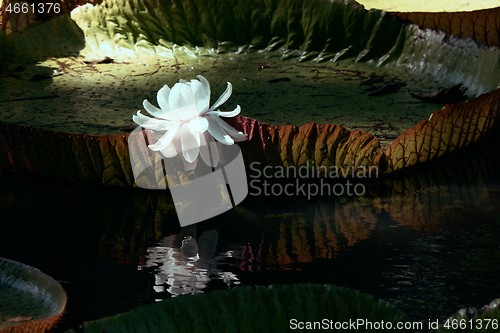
426,240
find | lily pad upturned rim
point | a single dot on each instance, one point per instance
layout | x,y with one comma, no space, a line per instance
487,319
35,287
104,159
250,309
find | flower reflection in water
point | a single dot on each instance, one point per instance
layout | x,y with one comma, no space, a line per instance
187,269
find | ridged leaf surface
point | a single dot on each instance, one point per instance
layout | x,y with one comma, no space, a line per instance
247,309
483,26
454,127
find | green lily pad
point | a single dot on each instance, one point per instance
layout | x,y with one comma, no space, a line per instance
132,48
29,298
247,309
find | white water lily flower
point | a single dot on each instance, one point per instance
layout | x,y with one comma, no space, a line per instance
190,122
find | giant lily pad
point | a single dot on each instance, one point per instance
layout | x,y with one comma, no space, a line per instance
476,25
216,38
30,300
484,320
258,309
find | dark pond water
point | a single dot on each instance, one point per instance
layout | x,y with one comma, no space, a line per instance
427,241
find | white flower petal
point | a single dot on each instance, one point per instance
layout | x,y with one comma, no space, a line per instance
223,97
210,155
161,113
178,104
149,124
173,148
235,135
162,97
152,110
186,113
141,119
240,137
201,97
217,132
205,83
165,125
190,143
190,122
233,113
198,125
165,139
187,96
